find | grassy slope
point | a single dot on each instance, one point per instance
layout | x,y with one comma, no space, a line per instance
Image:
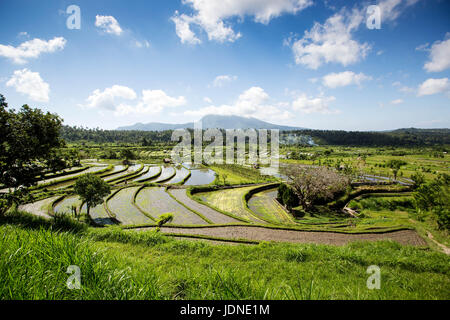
119,264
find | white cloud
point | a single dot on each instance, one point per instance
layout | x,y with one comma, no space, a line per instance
433,86
253,102
397,101
151,102
31,84
211,16
183,29
109,24
334,80
207,100
108,98
309,105
439,56
221,80
31,49
331,42
115,97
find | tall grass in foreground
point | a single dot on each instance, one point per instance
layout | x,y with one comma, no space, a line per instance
119,264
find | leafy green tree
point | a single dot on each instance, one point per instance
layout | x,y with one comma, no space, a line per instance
127,155
91,190
28,140
290,199
418,179
395,166
435,197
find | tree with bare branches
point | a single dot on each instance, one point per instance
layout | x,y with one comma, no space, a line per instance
312,184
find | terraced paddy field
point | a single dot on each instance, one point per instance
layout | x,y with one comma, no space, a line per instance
99,215
230,201
38,208
152,173
209,213
63,184
180,175
117,168
166,174
131,169
264,205
65,206
121,205
155,201
200,177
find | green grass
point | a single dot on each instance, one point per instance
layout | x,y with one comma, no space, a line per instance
117,264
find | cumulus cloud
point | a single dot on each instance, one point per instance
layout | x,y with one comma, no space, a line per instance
439,59
31,49
110,97
151,102
254,102
183,29
309,105
108,24
212,15
433,86
221,80
30,84
123,100
333,41
342,79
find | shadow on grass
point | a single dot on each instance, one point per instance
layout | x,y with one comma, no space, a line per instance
27,220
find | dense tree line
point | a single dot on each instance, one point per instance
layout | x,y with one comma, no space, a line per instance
98,136
397,138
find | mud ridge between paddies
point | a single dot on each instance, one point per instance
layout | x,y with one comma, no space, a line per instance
257,234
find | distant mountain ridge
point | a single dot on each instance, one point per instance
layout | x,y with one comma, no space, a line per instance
211,121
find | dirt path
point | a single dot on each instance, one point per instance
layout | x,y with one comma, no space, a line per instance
444,248
38,208
404,237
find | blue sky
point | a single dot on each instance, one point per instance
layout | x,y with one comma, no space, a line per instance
309,63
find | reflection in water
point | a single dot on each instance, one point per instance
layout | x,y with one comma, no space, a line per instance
201,176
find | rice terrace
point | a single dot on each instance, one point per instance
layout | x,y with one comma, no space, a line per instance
228,206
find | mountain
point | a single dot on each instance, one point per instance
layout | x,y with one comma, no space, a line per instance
211,121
